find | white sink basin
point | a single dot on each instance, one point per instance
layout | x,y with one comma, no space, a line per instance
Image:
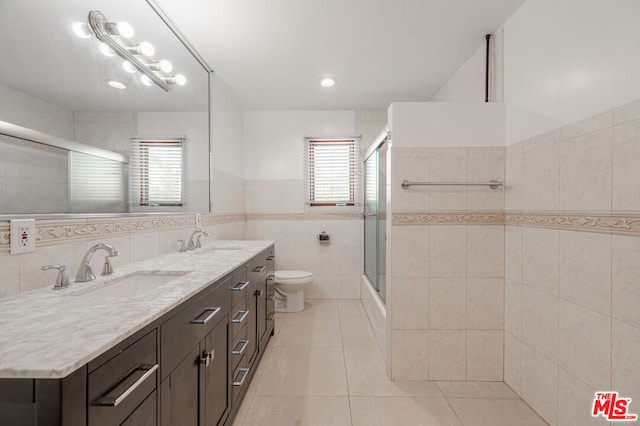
136,284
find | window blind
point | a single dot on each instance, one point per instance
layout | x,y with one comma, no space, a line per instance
96,184
332,172
157,172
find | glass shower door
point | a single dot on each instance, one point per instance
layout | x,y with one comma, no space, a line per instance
375,219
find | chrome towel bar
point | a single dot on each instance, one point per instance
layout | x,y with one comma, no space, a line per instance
493,184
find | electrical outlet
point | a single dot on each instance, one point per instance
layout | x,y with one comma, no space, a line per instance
198,220
23,236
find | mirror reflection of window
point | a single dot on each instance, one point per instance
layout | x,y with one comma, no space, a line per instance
96,185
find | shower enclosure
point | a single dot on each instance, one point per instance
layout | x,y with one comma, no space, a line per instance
375,200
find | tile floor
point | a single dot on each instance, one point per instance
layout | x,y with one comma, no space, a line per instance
323,367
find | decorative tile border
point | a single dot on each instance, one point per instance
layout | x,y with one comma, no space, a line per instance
614,223
218,219
449,218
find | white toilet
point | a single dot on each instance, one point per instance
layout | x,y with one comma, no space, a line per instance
289,290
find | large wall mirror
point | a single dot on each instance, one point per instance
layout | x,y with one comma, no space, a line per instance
71,142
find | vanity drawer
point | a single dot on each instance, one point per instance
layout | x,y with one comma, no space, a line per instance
239,317
239,285
239,347
145,414
120,385
240,379
190,325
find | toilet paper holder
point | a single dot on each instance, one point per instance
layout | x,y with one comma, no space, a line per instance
323,237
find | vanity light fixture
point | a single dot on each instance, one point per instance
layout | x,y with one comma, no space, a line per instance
327,81
115,39
81,29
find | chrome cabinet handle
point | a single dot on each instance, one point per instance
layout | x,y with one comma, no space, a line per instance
258,293
246,373
271,257
240,286
208,318
244,343
259,268
206,357
114,401
240,316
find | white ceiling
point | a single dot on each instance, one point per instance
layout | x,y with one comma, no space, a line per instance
271,53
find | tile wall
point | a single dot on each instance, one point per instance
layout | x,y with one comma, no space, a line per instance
572,250
446,298
276,211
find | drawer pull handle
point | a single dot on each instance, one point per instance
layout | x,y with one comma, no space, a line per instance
240,286
257,293
240,316
241,382
208,318
244,343
259,268
114,401
271,257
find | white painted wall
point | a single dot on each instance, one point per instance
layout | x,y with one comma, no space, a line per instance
426,124
562,61
274,139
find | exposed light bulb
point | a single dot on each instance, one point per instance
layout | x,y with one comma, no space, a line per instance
116,84
125,29
146,80
165,66
106,50
146,49
180,79
327,81
81,29
129,67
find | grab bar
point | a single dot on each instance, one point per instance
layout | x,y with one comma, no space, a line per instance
493,184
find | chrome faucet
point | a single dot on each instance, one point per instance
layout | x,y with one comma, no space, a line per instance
196,244
85,273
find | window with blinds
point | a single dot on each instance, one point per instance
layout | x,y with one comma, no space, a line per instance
332,171
157,172
96,184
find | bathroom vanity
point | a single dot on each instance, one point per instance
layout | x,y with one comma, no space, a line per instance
179,352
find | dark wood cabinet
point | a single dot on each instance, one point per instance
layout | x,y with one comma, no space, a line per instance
191,367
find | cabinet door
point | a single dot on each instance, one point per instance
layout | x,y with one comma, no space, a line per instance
215,398
180,393
262,309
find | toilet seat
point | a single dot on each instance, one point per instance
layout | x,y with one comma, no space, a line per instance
292,277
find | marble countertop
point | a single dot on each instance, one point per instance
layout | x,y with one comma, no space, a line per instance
48,334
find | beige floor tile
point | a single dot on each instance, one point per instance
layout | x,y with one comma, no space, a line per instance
298,411
304,370
495,412
401,411
477,390
253,386
242,411
318,330
357,332
366,376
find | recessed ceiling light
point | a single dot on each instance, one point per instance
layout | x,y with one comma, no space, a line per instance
327,81
116,84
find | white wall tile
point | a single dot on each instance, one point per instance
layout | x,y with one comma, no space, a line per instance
588,125
513,308
540,176
513,190
447,354
585,269
485,350
513,362
447,303
540,384
447,251
585,344
513,247
485,251
540,254
10,273
626,173
410,246
485,303
540,322
410,357
625,272
410,303
625,363
144,246
575,401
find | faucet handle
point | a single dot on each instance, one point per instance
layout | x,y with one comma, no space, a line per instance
62,280
183,247
198,243
107,268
